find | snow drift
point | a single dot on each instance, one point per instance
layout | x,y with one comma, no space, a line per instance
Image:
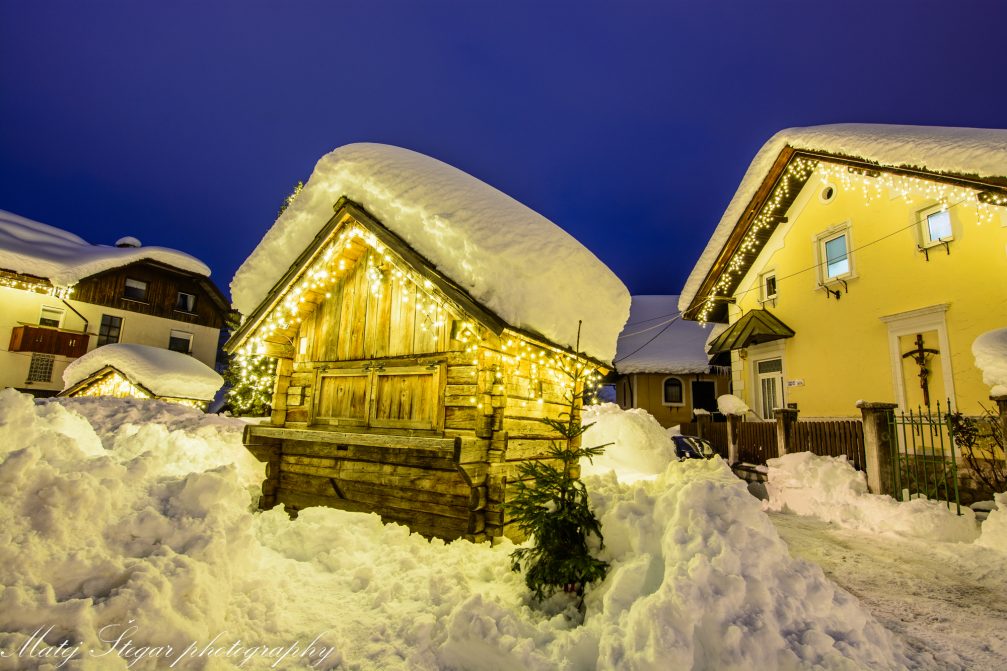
830,489
513,260
106,526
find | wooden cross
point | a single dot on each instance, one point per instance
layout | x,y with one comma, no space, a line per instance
919,355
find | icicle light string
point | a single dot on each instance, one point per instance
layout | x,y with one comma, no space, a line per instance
872,186
542,364
37,287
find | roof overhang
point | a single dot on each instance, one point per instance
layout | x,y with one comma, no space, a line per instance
755,327
768,208
101,373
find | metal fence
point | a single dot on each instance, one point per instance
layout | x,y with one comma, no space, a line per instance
925,462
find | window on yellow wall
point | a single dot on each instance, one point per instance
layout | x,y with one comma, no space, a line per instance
673,394
767,282
935,225
834,259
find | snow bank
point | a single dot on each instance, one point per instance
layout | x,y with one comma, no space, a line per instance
963,151
830,489
95,541
511,259
162,371
990,352
64,259
640,448
994,529
657,340
729,404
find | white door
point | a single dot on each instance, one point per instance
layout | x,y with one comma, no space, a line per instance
769,375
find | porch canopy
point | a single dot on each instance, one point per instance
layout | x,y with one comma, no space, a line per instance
754,327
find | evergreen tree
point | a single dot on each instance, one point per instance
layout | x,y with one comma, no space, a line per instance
251,378
551,505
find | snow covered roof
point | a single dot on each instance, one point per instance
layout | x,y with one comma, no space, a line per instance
974,152
652,343
161,371
32,248
510,259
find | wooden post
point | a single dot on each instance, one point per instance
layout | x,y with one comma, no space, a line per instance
703,421
733,431
786,418
879,445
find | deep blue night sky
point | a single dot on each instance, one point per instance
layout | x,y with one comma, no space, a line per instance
629,124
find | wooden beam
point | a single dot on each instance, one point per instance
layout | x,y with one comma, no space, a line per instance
368,439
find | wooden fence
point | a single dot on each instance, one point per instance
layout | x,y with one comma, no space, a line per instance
757,442
832,438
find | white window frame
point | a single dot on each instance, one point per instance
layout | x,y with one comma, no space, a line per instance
664,400
825,237
181,335
923,221
764,294
59,322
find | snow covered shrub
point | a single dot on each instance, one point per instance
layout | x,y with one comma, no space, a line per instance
552,506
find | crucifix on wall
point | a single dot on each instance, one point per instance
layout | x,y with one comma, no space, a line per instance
920,355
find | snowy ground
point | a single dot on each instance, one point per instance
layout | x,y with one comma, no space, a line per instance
128,540
949,599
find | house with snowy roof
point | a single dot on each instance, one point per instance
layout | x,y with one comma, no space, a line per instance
424,323
61,297
125,370
662,365
858,262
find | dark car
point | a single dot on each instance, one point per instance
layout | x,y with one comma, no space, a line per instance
691,447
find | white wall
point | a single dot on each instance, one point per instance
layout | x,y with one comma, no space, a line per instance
18,306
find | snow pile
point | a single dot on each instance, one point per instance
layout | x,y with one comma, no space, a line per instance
95,544
994,529
514,261
657,340
729,404
830,489
990,351
160,371
962,151
64,259
640,447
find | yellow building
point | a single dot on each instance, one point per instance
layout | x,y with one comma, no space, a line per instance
859,262
662,364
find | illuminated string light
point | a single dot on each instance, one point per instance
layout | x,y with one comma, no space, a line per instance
872,185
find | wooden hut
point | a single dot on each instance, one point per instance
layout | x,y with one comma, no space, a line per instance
126,370
397,392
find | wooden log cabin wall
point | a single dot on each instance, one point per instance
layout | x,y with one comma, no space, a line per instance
396,392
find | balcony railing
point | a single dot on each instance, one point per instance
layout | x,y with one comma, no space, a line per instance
48,340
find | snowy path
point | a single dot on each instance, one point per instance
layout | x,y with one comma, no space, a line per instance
949,599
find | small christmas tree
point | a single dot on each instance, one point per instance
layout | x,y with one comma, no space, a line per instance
552,506
251,377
